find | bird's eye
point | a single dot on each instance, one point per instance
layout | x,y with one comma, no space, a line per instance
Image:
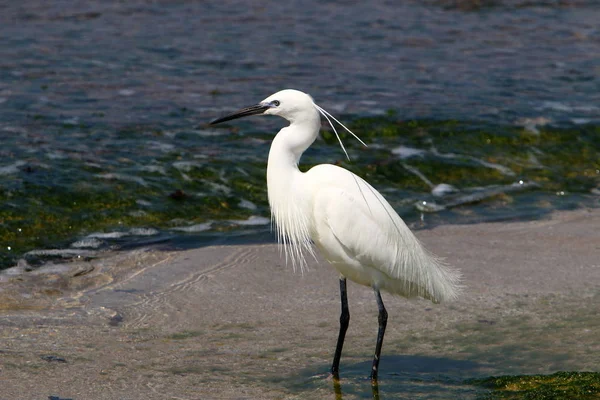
276,103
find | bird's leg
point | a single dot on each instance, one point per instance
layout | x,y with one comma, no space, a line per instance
337,389
374,391
344,321
382,324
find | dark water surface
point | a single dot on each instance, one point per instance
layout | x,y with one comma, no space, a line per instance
472,113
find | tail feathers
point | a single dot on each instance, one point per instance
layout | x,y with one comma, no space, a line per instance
425,276
443,283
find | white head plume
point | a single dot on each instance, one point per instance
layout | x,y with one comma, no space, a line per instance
327,115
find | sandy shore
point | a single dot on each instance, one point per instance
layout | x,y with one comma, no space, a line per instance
234,322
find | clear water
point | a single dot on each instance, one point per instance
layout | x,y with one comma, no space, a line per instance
105,104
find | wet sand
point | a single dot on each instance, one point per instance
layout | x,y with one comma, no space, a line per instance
234,322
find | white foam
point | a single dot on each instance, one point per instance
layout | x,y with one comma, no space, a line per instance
12,168
194,228
126,92
186,166
558,106
581,121
218,187
14,129
418,173
143,232
61,252
504,170
531,124
156,145
122,177
154,168
210,132
107,235
56,155
253,220
407,152
247,204
91,243
443,189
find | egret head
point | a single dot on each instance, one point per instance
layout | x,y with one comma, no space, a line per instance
293,105
290,104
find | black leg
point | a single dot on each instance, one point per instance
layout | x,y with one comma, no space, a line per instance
344,321
382,323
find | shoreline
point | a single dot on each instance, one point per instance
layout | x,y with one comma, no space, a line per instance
236,322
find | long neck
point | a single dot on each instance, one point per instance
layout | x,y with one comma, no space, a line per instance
291,141
287,191
284,156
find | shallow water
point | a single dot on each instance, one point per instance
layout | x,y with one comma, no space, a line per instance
234,321
104,107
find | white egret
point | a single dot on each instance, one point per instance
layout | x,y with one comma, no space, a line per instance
349,221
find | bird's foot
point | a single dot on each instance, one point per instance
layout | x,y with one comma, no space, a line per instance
334,376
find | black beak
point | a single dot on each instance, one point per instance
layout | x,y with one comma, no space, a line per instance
244,112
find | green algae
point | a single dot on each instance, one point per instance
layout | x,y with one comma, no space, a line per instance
141,187
557,386
38,216
557,158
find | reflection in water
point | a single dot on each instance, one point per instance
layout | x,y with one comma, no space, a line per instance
375,389
404,377
337,389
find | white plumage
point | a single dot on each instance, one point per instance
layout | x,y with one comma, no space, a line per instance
353,226
366,241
